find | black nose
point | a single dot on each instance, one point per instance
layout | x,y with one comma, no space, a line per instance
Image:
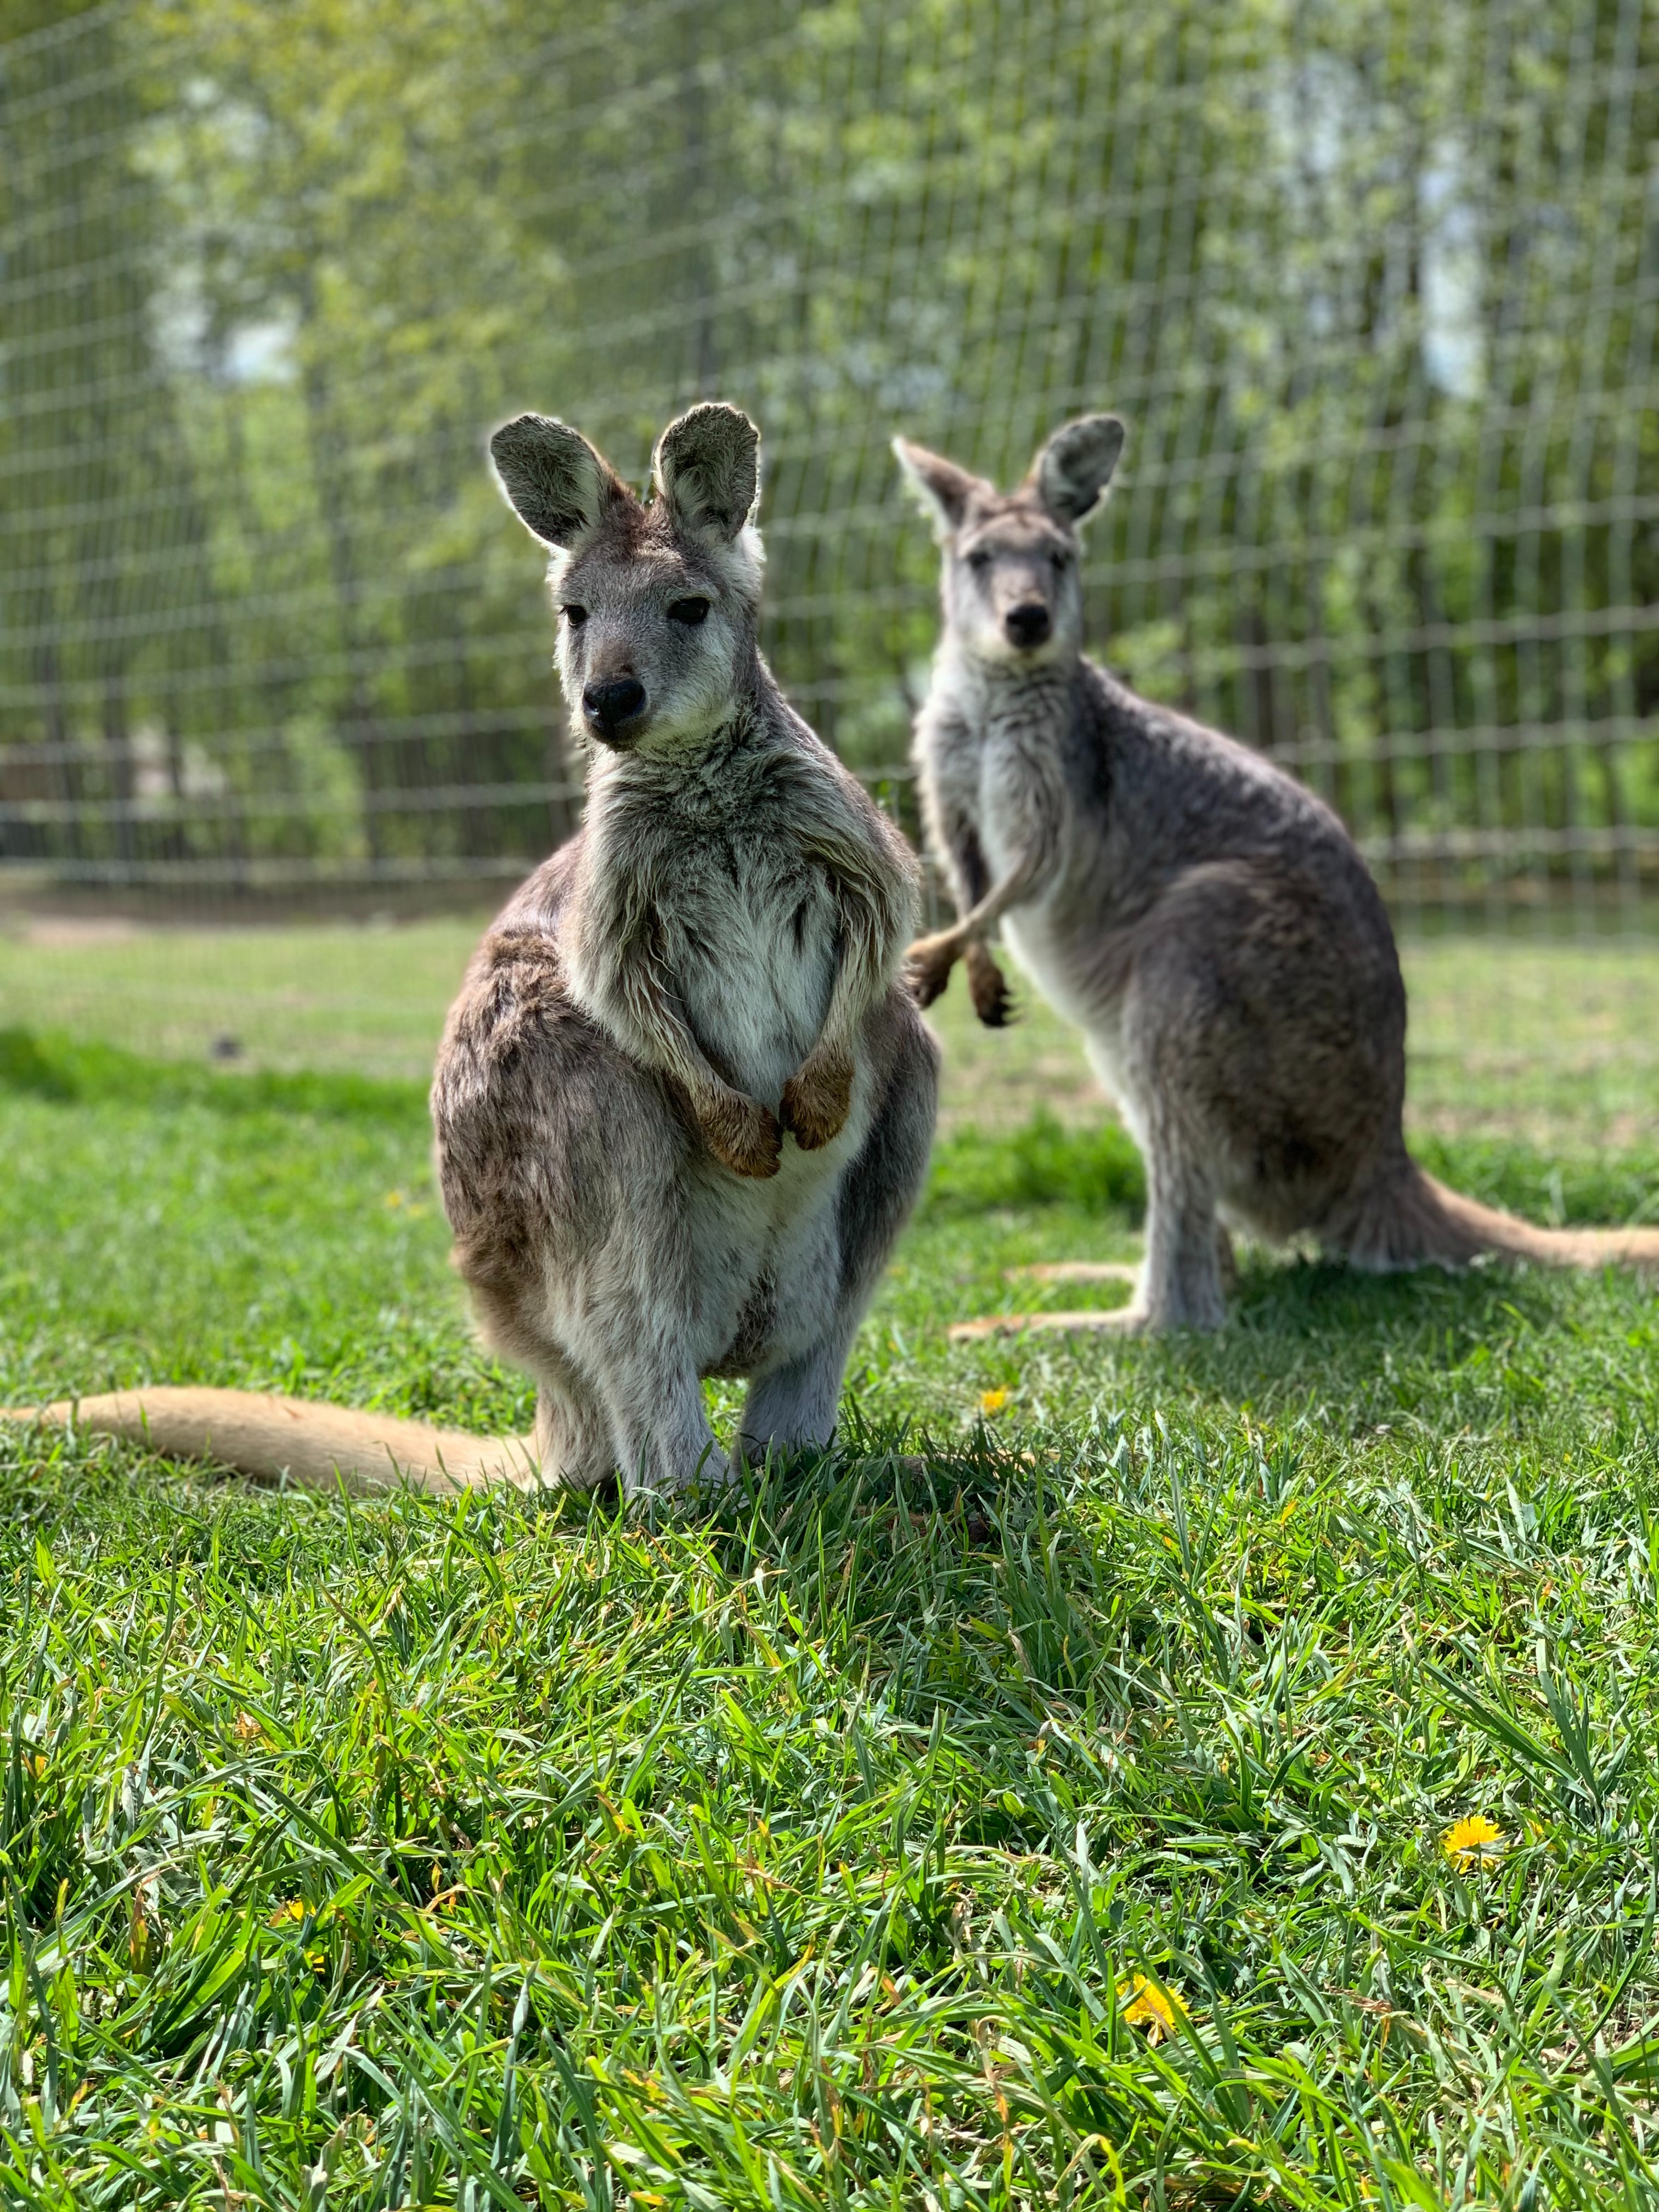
608,706
1027,624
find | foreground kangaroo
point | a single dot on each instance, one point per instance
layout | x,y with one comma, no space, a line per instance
1205,921
682,1106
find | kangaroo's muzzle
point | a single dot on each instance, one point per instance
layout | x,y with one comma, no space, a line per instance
609,708
1027,624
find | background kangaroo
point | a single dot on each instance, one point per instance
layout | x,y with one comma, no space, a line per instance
1204,919
682,1106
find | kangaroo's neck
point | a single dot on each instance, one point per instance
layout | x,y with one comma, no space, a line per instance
706,764
987,692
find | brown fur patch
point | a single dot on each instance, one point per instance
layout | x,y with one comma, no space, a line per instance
742,1135
927,966
989,989
817,1100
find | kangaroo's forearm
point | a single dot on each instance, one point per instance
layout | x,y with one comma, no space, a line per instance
930,959
964,864
658,1032
618,981
1020,884
818,1096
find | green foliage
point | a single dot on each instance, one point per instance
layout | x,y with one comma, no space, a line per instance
1622,1187
803,1846
24,1066
1037,1165
62,1067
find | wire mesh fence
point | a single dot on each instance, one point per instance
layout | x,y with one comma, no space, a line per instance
1372,282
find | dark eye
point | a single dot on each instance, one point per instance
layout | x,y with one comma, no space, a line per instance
575,616
688,611
1061,558
979,558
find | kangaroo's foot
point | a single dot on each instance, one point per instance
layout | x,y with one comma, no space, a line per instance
1075,1270
1115,1320
793,1408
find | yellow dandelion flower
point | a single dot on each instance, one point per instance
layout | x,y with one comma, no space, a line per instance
991,1403
394,1199
1471,1839
1149,2005
291,1909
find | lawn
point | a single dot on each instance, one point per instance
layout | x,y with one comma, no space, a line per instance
1542,1038
1051,1798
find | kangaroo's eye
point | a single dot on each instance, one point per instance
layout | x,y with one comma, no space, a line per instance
979,558
575,616
1061,558
688,611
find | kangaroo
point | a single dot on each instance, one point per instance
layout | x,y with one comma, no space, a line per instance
1205,921
683,1103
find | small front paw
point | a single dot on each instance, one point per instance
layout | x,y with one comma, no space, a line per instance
743,1136
817,1099
994,1002
927,966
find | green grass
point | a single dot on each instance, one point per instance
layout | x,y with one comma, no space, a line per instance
802,1848
1528,1037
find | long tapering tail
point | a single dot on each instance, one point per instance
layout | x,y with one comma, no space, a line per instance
1411,1219
315,1446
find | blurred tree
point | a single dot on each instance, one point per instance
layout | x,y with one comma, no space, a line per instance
1373,282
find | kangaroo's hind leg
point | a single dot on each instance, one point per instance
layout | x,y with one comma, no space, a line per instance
660,1427
793,1405
794,1402
573,1445
1181,1281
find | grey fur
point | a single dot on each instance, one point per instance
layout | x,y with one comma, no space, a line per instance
1204,919
682,1106
1075,466
553,479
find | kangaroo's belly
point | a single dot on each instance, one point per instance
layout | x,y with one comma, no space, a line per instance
767,1278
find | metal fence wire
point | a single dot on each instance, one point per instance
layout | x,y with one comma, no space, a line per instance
1372,282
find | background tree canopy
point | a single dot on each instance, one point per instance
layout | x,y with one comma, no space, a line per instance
1373,282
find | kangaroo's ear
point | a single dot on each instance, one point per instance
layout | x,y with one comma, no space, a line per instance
707,467
1072,469
942,490
557,484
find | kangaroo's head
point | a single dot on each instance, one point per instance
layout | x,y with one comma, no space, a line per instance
1012,593
657,602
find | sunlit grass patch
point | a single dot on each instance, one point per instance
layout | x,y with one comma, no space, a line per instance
1216,1768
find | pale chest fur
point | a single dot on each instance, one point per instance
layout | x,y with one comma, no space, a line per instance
996,761
750,951
1000,768
742,926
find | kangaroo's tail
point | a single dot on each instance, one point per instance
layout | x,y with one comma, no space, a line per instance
1409,1219
318,1447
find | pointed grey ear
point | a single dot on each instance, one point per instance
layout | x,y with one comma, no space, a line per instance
706,466
554,481
942,490
1075,466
